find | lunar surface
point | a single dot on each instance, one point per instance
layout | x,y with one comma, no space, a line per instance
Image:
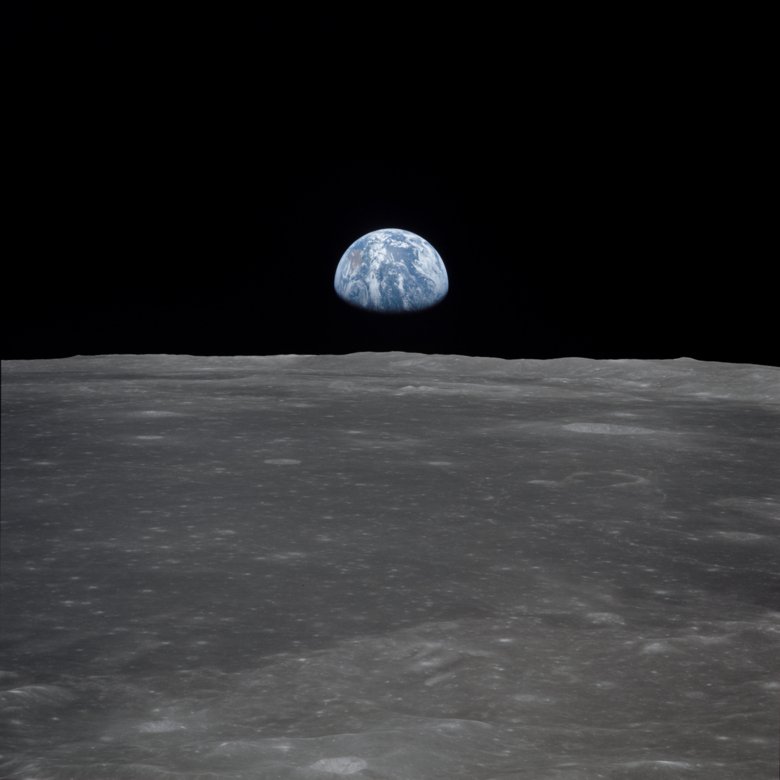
389,566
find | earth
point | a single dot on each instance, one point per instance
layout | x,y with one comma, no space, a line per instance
391,270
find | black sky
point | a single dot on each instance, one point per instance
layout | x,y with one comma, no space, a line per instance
164,205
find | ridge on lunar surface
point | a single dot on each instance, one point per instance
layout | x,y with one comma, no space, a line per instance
389,566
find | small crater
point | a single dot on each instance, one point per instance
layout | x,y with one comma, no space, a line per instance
161,726
343,765
739,536
605,619
608,429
